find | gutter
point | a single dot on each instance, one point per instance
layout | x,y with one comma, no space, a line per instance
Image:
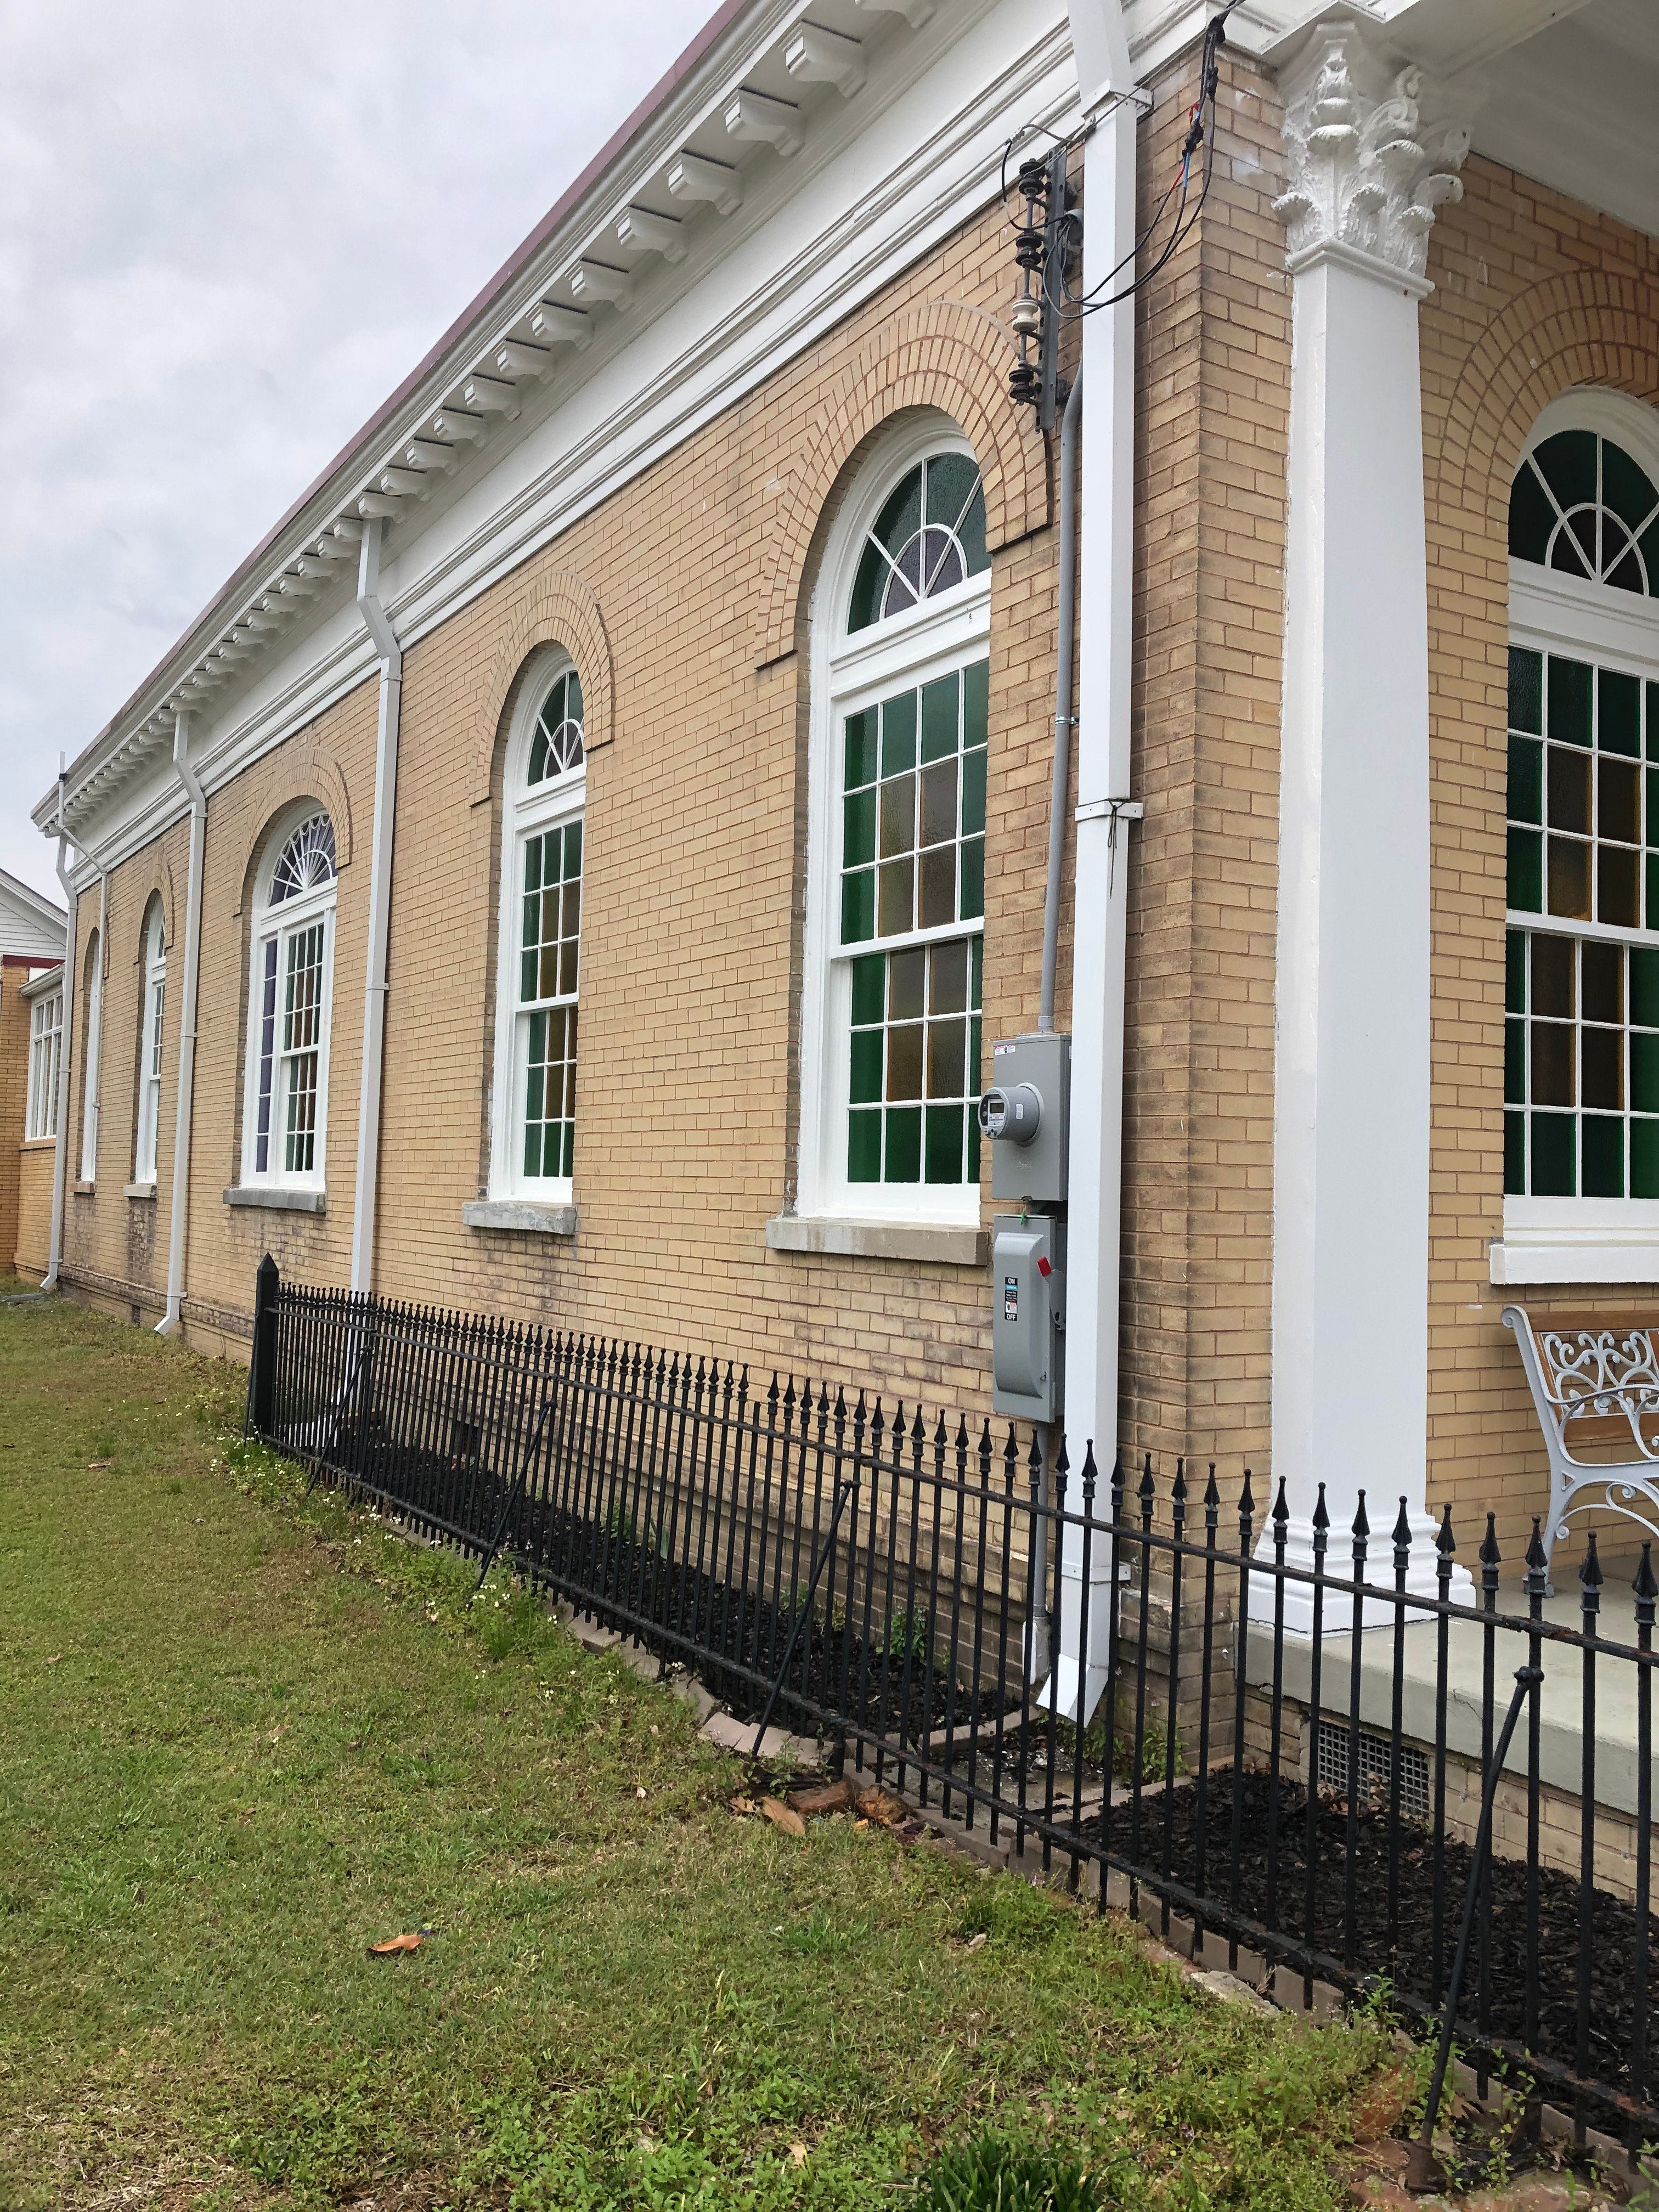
380,901
1070,423
182,1109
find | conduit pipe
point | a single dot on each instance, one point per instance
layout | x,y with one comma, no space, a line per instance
179,1211
60,1154
1063,719
379,900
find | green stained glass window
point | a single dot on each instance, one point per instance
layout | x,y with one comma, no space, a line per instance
555,745
1581,1067
914,1084
1582,506
928,539
549,945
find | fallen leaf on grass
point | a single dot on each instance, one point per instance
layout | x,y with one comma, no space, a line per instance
97,1466
409,1943
54,1659
743,1805
881,1805
639,1790
974,1942
798,2152
781,1817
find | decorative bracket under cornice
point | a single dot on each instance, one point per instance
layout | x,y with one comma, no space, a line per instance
1368,173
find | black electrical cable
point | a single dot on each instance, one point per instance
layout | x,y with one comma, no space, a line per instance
1201,135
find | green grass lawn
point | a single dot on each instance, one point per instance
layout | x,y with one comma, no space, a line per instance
243,1735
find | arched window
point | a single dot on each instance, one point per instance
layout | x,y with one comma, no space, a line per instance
92,997
285,1108
152,1007
890,1043
533,1133
1582,1039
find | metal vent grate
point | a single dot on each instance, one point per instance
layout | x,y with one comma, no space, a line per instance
1375,1769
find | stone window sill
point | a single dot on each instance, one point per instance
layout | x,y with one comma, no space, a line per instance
277,1198
521,1215
141,1190
80,1189
941,1244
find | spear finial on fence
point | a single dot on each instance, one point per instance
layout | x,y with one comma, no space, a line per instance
1322,1523
1148,1490
1091,1477
1490,1558
1589,1576
1537,1565
1361,1527
1246,1514
1402,1540
1212,1501
1281,1517
1646,1589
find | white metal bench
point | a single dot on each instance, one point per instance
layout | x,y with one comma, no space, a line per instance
1594,1381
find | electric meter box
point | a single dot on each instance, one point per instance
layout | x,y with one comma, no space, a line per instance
1027,1315
1026,1113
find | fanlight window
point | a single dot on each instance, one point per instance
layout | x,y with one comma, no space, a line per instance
1582,506
557,746
928,537
307,862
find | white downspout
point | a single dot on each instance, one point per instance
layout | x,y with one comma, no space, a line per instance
380,901
1105,585
181,1117
60,1155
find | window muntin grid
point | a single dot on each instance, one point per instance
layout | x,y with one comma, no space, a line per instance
928,537
303,1030
548,962
916,1064
1581,1067
1580,505
89,1080
149,1049
45,1051
555,745
1583,791
289,1008
913,808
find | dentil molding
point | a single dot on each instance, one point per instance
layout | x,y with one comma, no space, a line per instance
1367,174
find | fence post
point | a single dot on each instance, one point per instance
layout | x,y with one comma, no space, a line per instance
262,1368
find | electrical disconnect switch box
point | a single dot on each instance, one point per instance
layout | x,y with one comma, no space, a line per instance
1028,1316
1026,1114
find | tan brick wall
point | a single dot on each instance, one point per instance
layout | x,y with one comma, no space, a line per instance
693,872
32,1251
1213,355
1533,294
13,1100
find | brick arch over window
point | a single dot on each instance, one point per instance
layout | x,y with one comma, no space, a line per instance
304,770
152,882
944,355
1584,328
557,609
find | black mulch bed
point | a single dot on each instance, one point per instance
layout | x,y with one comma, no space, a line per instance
879,1684
1405,1954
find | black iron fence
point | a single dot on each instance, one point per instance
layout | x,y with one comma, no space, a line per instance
1319,1765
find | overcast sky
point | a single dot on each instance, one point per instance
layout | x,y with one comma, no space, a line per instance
227,232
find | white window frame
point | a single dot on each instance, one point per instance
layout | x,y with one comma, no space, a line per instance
89,1102
152,1026
280,925
1584,1240
850,670
45,1057
527,810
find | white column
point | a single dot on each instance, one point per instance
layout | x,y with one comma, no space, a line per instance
1105,587
1351,1140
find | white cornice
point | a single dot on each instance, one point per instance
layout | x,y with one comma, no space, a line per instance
882,195
749,52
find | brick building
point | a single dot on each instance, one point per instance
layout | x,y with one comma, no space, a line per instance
673,658
32,931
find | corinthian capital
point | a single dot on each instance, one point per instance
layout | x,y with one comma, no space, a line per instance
1367,170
